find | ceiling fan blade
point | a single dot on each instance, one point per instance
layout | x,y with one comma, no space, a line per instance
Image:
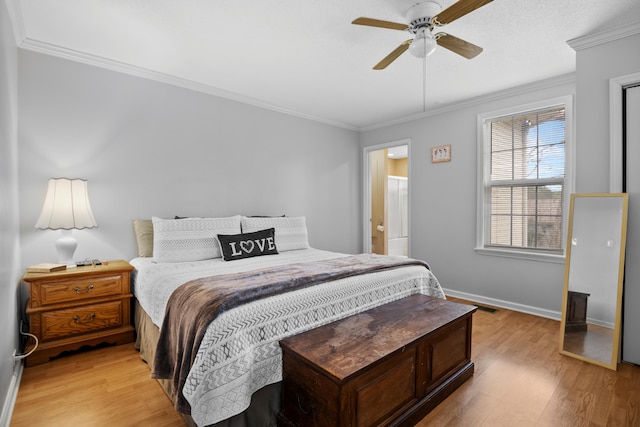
457,45
370,22
458,10
393,55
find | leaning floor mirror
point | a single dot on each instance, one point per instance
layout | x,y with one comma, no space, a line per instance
594,271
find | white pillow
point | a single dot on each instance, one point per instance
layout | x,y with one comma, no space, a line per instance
190,239
291,233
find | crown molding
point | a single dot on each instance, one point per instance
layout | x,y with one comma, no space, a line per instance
23,42
122,67
606,36
494,96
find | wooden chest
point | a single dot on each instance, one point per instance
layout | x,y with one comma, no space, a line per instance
387,366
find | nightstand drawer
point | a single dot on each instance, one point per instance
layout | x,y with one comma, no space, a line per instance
79,320
69,290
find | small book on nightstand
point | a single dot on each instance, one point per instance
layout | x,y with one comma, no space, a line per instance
46,267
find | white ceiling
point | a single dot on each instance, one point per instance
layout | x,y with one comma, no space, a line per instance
305,57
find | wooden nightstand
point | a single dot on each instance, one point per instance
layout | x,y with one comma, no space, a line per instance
79,306
576,320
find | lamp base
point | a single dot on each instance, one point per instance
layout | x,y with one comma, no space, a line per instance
66,245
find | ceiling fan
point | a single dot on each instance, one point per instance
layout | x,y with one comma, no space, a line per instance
422,19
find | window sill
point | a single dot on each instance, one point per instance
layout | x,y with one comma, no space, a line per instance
531,256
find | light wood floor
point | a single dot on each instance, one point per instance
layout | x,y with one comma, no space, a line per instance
520,380
595,343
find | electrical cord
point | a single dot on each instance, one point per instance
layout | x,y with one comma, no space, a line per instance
18,357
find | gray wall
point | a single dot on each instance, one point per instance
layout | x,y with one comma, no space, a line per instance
443,208
443,196
595,66
10,271
149,148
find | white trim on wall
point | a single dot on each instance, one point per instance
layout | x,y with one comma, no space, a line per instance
12,395
482,99
121,67
493,302
366,193
605,36
616,86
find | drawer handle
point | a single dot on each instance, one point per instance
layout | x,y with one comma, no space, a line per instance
305,412
80,291
91,318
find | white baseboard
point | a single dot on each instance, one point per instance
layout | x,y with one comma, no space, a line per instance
601,323
12,395
479,299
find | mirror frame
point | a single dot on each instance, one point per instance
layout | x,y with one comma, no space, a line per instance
615,353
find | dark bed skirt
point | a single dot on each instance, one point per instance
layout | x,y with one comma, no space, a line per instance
265,403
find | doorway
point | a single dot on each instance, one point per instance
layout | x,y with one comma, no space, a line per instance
386,204
624,101
631,186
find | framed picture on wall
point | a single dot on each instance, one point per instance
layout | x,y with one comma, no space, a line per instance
441,153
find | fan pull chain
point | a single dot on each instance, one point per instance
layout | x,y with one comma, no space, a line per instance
424,84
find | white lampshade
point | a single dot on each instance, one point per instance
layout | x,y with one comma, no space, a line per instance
66,207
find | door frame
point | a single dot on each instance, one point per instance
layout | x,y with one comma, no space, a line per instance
617,167
366,193
616,86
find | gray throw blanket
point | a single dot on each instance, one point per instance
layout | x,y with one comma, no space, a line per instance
195,304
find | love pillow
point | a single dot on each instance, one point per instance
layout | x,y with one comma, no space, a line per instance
246,245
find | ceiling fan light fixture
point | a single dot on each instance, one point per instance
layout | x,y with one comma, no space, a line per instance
423,45
422,18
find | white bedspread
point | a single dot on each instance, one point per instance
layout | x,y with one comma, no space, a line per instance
240,353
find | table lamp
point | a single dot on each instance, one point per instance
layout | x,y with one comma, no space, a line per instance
66,207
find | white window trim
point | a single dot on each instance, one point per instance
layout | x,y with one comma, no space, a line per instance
483,171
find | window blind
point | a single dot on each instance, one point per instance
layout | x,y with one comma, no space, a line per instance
526,180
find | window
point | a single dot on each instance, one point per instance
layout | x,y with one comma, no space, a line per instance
524,191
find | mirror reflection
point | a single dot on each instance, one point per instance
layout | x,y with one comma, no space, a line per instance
590,328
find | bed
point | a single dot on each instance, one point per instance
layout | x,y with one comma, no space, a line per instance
234,372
